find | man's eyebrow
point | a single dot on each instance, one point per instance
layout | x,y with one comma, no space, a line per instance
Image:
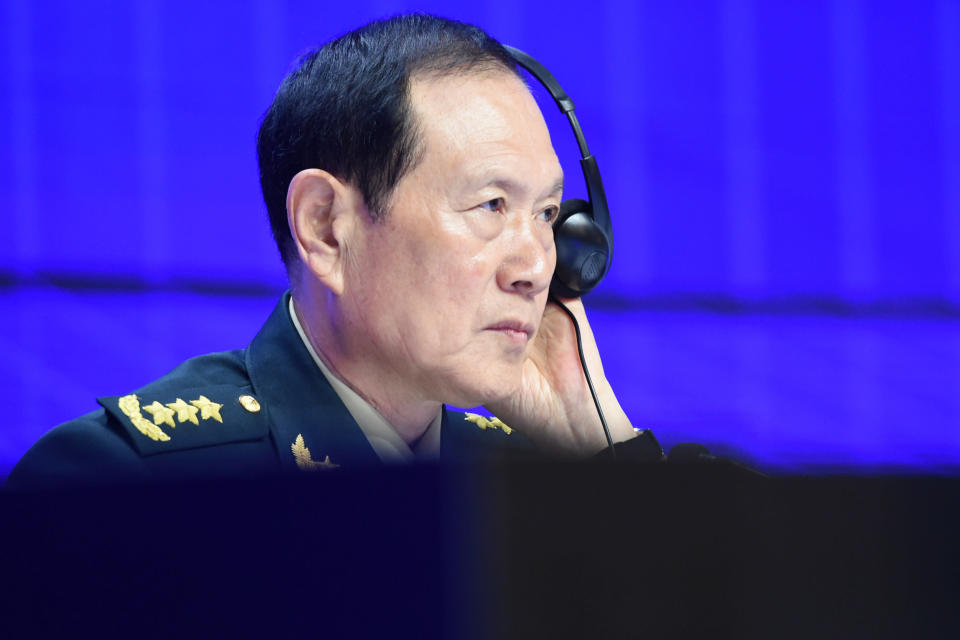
512,186
557,187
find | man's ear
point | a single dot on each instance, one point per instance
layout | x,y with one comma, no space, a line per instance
320,216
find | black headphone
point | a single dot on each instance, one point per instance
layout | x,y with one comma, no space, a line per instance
582,232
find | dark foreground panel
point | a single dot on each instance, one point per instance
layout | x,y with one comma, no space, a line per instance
531,551
681,552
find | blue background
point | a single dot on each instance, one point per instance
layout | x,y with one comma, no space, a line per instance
784,183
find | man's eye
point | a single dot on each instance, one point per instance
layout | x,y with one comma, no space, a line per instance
496,205
550,214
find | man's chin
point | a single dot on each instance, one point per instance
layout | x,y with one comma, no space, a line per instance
490,392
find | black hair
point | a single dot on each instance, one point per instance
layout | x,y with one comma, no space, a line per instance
345,108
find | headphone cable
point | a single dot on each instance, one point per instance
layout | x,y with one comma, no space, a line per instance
586,373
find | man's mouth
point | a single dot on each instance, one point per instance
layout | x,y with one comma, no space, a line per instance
515,330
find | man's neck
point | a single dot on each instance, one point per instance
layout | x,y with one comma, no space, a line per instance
408,416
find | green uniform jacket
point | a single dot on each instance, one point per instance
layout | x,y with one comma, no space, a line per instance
265,409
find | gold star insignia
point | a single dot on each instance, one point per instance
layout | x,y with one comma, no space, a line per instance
302,455
185,412
208,408
161,415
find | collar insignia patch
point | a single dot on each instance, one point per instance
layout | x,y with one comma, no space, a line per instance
487,423
302,455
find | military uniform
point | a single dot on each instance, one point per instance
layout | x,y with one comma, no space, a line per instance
264,409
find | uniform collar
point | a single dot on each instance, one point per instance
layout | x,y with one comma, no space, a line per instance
299,400
381,435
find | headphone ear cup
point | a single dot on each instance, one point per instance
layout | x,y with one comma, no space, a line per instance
583,250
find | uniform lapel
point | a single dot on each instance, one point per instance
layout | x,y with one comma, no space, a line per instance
299,399
466,440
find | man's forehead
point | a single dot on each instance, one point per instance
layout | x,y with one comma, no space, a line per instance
451,78
471,100
478,119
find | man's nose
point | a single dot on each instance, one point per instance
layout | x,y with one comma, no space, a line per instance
528,264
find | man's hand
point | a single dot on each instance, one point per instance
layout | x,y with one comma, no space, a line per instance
554,407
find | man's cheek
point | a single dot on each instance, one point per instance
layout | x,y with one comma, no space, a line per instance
457,288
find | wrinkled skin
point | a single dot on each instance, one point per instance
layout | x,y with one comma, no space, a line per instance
444,300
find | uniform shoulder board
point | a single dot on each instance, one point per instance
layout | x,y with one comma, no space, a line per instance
159,421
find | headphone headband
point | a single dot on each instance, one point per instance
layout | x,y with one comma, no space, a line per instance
598,209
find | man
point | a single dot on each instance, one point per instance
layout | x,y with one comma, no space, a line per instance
411,186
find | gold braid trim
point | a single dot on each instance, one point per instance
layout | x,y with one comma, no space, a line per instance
130,405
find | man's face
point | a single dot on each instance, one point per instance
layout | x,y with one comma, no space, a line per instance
444,295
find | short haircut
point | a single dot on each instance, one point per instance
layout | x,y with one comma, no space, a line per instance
345,108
